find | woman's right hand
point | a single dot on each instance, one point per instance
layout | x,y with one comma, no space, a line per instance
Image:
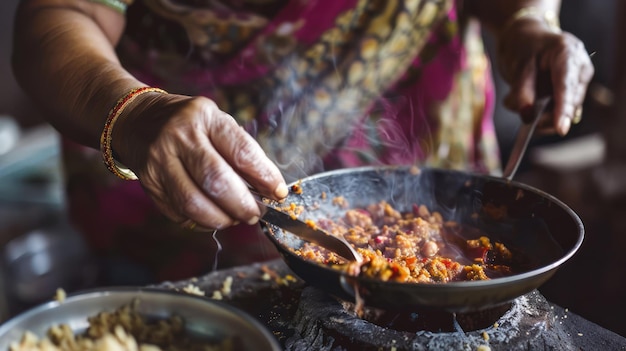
194,160
191,158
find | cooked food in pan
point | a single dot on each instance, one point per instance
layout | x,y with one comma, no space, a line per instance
413,247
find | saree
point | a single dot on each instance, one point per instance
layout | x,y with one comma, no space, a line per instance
320,84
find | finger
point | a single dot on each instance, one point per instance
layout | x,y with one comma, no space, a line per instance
565,79
586,72
568,63
248,158
215,178
522,93
183,200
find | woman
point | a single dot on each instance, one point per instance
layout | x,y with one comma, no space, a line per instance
266,90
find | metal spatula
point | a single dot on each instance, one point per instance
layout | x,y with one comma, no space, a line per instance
306,232
523,137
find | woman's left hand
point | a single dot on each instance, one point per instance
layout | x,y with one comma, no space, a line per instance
534,56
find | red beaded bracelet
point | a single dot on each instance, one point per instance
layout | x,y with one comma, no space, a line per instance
105,138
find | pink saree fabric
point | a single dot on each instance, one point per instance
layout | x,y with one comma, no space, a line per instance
320,84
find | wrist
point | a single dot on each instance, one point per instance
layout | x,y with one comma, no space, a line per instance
115,134
547,17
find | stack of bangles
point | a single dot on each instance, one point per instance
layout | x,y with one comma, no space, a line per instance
105,138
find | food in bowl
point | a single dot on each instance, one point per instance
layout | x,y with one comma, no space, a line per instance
156,319
123,329
413,247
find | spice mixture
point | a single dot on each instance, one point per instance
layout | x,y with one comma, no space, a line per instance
414,247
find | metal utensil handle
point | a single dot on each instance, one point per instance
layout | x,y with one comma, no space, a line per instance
523,137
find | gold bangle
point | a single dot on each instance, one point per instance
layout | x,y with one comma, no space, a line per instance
549,17
106,137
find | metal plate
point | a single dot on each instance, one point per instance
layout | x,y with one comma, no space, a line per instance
204,318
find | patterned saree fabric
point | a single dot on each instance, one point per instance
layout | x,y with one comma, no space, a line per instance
320,84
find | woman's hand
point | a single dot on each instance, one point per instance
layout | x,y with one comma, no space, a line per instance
191,158
533,56
194,160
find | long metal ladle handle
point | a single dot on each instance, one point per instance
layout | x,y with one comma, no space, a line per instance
523,137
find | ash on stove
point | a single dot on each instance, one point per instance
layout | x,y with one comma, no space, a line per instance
324,323
434,320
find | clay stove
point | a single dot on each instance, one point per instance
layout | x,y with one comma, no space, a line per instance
305,318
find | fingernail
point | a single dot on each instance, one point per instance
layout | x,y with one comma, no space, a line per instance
564,126
253,220
281,191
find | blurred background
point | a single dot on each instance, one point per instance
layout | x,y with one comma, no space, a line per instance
40,251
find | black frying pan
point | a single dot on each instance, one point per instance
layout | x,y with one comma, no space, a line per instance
540,226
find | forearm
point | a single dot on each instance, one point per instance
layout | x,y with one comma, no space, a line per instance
495,14
80,77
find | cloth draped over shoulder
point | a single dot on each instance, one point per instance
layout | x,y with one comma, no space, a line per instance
320,84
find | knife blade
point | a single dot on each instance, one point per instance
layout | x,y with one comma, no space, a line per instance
307,232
